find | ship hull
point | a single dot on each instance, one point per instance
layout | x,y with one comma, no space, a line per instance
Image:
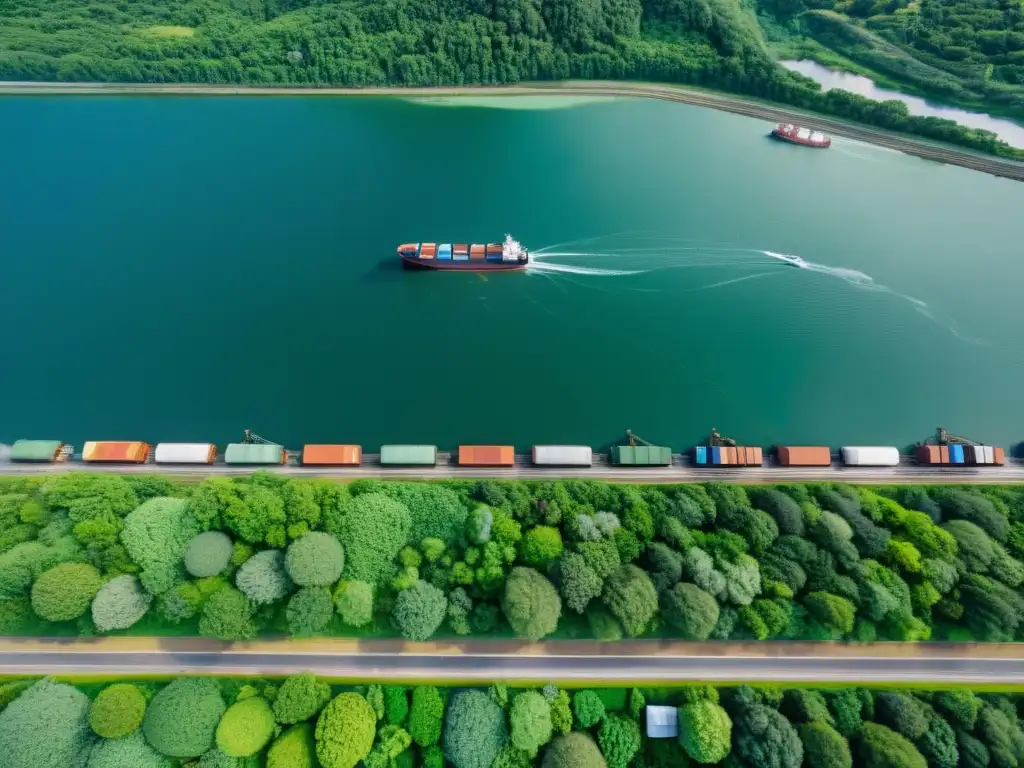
411,262
801,142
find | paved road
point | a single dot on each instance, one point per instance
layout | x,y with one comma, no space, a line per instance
559,662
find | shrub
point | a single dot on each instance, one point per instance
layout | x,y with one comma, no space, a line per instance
960,707
878,747
630,596
310,611
436,512
824,746
531,604
573,750
353,600
315,560
246,727
579,583
588,708
129,752
117,711
372,529
396,704
182,719
762,736
541,546
345,731
120,603
419,611
228,615
208,554
300,697
47,726
156,536
901,712
263,579
619,738
474,731
294,748
426,715
690,610
705,731
64,592
530,722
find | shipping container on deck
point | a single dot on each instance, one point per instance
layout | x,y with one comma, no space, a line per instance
804,456
116,451
494,248
185,453
421,455
700,455
870,456
255,453
486,456
428,251
38,450
460,249
477,253
642,455
334,455
563,455
956,453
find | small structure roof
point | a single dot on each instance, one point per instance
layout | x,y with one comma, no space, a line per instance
662,722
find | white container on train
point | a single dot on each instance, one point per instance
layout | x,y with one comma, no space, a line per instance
982,454
563,455
185,453
870,456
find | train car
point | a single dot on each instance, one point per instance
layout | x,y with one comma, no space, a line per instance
408,455
332,455
255,453
563,456
185,453
804,455
487,456
728,456
870,456
43,451
116,451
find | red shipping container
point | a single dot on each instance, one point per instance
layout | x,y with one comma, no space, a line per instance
337,455
116,451
804,456
486,456
928,454
998,456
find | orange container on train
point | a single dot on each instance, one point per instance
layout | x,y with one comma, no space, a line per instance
751,456
116,451
334,455
486,456
804,456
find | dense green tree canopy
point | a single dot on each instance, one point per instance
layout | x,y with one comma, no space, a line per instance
531,604
475,730
573,750
208,554
120,603
300,697
65,591
315,560
47,726
117,711
182,718
246,727
345,731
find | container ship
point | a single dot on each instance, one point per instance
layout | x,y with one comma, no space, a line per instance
796,134
475,258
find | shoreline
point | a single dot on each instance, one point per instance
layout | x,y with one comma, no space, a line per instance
915,147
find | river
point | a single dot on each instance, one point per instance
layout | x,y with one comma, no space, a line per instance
181,268
1010,132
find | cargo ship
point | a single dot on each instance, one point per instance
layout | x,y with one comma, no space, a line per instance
472,257
796,134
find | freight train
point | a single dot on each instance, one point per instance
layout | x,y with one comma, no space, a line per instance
718,452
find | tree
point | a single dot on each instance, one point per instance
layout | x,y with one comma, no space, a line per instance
373,528
879,747
664,565
353,600
960,707
64,592
938,744
763,738
228,615
425,716
131,751
436,512
474,730
117,711
835,613
419,611
1002,735
579,582
120,603
310,611
903,713
588,708
846,708
300,698
246,728
47,726
541,546
258,517
208,554
619,738
345,731
973,753
530,722
974,547
783,509
182,718
396,704
295,748
263,578
631,597
156,536
824,746
315,560
530,604
601,556
573,750
705,731
691,610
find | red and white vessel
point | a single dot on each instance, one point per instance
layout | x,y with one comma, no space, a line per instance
796,134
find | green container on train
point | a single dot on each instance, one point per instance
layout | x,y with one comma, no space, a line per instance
36,450
420,455
642,455
255,453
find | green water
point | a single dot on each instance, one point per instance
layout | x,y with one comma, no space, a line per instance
183,268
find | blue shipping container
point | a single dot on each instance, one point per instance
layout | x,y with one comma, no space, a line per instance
700,453
444,255
956,454
461,257
716,455
494,257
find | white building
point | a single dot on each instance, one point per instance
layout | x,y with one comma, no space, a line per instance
662,722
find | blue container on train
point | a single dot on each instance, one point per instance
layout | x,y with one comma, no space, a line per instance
716,454
444,252
700,454
956,454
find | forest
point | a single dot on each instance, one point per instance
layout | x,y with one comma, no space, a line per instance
304,721
714,43
264,555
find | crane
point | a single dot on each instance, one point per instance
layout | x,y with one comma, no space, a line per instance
942,437
717,439
634,440
251,437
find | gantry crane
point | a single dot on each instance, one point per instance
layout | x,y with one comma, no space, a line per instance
717,439
251,437
942,437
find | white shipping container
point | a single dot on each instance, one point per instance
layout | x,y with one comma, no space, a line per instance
870,456
563,455
184,453
988,455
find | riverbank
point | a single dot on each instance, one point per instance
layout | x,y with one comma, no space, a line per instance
685,95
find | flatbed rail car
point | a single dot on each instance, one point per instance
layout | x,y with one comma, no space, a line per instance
185,453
